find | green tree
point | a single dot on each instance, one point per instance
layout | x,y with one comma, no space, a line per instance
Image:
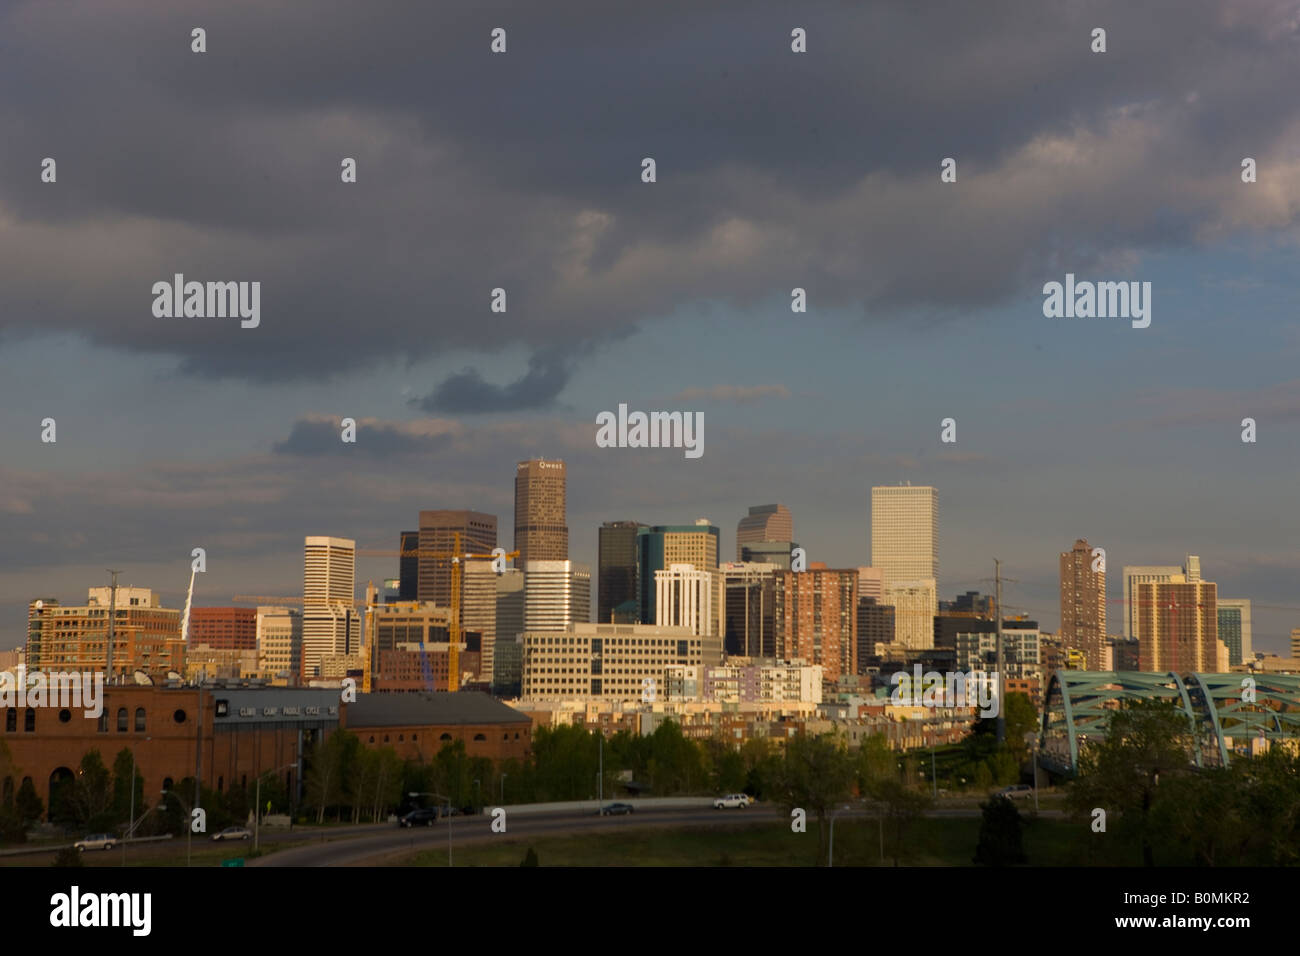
92,795
1147,741
815,776
1000,842
530,858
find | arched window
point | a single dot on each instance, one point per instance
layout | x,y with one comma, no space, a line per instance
167,783
480,736
139,720
103,722
29,720
221,784
445,737
121,720
11,720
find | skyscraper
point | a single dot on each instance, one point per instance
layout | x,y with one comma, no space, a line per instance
1178,626
541,533
1151,573
816,618
556,594
1083,603
478,610
330,623
1235,629
685,597
662,546
905,533
408,588
438,529
617,584
764,523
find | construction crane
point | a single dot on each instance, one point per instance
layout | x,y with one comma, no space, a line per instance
456,557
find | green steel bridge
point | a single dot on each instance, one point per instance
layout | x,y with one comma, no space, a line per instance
1223,718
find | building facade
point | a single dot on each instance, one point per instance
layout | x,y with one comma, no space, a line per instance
541,528
617,573
764,523
556,594
1178,624
146,635
438,530
1083,603
622,661
815,618
661,546
224,628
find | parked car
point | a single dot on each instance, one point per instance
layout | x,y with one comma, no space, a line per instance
233,833
425,817
731,801
615,809
96,841
1018,791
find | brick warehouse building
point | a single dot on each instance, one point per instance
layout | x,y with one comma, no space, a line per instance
244,731
241,733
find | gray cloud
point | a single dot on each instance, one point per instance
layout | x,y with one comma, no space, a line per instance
732,393
522,170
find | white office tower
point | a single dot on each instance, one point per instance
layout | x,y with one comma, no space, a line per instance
905,551
330,622
556,594
478,609
685,597
279,644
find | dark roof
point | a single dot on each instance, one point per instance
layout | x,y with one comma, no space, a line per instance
424,709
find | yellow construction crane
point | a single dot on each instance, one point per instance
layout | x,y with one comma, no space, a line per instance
455,557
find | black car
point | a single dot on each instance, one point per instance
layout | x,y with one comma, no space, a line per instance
615,809
420,818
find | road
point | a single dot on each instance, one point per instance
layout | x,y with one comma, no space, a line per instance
377,847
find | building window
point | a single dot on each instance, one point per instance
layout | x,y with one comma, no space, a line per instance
65,715
400,738
372,738
167,783
385,738
221,784
121,720
480,736
29,720
103,722
139,721
445,737
179,716
11,720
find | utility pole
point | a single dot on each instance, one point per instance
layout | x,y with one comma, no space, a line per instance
997,677
112,627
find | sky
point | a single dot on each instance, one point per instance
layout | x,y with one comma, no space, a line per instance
775,170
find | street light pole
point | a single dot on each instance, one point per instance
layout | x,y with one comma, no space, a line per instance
503,787
189,824
257,802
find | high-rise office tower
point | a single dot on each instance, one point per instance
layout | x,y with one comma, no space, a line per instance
1295,642
478,610
1178,626
685,597
661,546
617,585
478,535
556,594
749,596
1083,603
905,532
905,549
871,583
279,644
330,622
408,588
541,533
816,618
764,523
1234,629
1147,574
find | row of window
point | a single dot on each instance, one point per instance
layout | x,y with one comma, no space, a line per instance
65,715
477,737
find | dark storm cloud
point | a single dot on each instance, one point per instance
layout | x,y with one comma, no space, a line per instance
522,170
466,391
311,437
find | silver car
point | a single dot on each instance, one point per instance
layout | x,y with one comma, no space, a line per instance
96,841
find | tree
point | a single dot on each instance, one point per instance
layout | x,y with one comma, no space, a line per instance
122,769
530,858
91,801
1144,741
29,805
1000,841
815,776
878,779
